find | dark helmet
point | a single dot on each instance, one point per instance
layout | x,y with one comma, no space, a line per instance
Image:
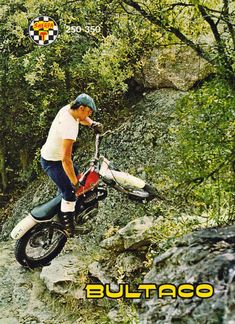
84,99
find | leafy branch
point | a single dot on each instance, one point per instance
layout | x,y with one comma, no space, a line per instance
223,59
229,24
165,26
199,180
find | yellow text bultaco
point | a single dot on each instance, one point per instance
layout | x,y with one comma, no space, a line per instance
184,290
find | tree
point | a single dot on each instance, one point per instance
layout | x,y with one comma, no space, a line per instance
189,20
36,81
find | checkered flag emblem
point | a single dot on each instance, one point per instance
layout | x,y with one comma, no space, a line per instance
43,30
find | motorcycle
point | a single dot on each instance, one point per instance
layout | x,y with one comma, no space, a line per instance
41,236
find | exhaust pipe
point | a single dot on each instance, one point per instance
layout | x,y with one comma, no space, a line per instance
22,227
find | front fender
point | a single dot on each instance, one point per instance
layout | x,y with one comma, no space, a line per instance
124,179
22,227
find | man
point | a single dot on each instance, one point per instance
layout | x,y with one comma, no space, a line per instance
56,153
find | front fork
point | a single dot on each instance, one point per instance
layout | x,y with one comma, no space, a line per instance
50,235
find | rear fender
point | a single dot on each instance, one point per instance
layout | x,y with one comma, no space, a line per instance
23,227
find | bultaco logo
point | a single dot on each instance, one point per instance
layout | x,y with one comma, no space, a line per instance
43,30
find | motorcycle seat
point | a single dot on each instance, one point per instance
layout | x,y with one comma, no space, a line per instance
47,210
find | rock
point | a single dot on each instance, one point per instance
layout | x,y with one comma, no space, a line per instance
114,316
20,292
177,67
61,277
133,236
204,256
117,269
122,265
210,235
128,262
97,271
114,243
9,320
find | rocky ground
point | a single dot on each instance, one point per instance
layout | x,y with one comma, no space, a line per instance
56,293
50,295
20,291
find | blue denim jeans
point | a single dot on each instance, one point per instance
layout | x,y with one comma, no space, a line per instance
55,170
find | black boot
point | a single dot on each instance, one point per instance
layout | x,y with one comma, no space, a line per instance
67,220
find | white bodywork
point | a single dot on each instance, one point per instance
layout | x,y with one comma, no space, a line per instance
22,227
122,178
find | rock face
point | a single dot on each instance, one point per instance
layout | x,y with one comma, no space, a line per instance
205,256
175,67
20,292
128,247
131,237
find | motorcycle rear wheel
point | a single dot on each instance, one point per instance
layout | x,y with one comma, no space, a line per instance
40,245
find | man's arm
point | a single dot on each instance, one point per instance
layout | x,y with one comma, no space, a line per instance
67,147
87,122
98,127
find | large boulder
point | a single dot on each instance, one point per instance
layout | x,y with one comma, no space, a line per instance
126,247
204,256
177,67
61,277
131,237
97,270
119,267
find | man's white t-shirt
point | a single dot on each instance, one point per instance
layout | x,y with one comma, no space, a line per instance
64,126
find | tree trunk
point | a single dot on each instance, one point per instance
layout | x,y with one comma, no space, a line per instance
3,170
24,157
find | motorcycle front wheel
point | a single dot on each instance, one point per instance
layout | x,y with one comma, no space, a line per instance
40,245
148,193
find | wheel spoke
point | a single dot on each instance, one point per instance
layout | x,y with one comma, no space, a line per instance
42,243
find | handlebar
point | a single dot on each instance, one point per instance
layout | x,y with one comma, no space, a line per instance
97,142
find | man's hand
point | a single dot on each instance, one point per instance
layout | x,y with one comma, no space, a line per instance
98,127
77,186
67,163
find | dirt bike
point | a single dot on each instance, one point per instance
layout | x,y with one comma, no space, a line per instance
41,236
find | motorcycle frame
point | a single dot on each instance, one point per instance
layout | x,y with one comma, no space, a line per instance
100,166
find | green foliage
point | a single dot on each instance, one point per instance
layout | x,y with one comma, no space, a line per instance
36,81
107,67
203,151
206,128
206,26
